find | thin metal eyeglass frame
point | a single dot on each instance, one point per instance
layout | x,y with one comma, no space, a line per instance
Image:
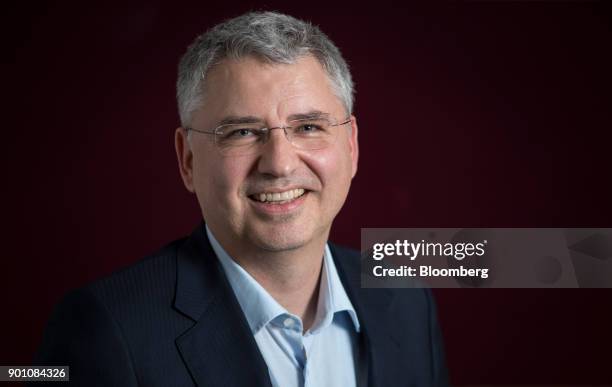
267,130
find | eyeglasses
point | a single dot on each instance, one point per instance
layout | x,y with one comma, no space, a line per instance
249,138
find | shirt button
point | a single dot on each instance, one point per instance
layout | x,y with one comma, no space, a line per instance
288,323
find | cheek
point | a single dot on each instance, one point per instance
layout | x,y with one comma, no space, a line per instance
334,169
229,175
213,177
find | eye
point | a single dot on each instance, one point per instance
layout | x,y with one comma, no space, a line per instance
309,128
240,133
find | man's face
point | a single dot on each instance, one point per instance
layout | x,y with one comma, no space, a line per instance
227,186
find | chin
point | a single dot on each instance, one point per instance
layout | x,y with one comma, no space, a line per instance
280,242
282,236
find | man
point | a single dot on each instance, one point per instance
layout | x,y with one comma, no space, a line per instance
255,296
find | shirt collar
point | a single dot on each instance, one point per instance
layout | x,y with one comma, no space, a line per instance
260,307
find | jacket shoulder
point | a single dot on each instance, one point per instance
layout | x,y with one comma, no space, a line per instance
119,328
152,277
346,256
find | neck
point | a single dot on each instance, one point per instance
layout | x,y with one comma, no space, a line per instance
292,277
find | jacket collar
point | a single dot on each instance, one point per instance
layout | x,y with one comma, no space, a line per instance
219,349
379,348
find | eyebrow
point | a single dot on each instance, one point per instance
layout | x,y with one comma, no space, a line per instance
234,120
311,115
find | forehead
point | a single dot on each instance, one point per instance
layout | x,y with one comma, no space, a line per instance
251,86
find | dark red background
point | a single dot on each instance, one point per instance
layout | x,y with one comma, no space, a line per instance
470,114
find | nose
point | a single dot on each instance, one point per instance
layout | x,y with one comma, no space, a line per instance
278,157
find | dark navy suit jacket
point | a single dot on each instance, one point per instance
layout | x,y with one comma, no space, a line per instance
172,320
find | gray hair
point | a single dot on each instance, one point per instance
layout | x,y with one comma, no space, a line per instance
271,37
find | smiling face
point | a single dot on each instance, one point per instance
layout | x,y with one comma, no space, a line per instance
302,190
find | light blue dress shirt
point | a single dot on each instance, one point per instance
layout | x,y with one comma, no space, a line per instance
325,355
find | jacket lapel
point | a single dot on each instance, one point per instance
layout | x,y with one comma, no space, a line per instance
379,348
219,350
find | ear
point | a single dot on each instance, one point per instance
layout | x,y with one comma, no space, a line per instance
184,157
354,145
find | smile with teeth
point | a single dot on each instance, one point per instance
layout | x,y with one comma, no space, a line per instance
278,197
